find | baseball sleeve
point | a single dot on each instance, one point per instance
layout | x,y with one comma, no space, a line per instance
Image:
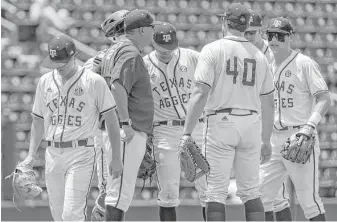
315,81
94,64
205,71
126,73
38,100
104,97
268,84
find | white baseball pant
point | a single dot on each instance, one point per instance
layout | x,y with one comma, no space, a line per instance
303,176
69,173
120,191
232,141
101,164
166,140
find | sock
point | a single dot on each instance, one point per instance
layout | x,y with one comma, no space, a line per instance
319,217
167,214
215,211
204,213
284,215
269,216
254,210
113,214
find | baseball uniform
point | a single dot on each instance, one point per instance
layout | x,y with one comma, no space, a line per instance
93,64
172,85
253,35
122,62
70,112
297,80
229,67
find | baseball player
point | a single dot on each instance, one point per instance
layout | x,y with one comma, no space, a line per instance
66,111
253,34
301,99
232,82
124,70
112,28
171,70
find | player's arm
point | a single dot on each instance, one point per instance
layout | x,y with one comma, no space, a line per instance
204,78
94,63
318,88
37,128
267,106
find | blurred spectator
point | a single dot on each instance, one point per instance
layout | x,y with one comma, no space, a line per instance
44,13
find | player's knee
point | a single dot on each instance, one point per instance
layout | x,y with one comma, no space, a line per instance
168,199
281,205
254,205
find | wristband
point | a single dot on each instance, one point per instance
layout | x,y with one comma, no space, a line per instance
315,118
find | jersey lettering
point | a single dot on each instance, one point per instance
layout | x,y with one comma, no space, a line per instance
69,120
167,102
249,68
182,83
288,89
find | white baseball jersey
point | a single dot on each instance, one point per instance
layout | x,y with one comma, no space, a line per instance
71,111
297,80
267,51
172,83
237,72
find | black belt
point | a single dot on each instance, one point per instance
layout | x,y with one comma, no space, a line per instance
102,126
174,122
229,110
288,128
68,144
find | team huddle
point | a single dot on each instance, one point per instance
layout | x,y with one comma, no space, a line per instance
243,103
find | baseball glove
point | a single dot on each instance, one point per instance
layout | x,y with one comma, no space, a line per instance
98,212
148,166
24,181
192,162
299,146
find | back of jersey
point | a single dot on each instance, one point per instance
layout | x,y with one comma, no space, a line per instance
236,71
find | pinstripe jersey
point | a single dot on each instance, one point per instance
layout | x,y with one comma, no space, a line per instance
172,83
71,111
297,80
267,51
237,72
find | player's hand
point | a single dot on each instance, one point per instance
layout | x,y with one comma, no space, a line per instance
115,168
305,133
186,137
265,152
127,133
29,160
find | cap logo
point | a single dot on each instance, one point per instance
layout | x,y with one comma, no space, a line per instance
277,23
167,38
52,53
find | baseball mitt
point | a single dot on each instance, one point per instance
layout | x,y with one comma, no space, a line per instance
24,181
98,212
192,162
148,166
299,146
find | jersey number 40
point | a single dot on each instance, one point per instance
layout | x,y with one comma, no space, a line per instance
249,67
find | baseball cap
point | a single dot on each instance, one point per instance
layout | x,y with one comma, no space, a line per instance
255,21
237,13
165,36
60,50
281,25
114,23
138,18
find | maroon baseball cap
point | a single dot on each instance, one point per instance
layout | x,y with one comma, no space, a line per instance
281,25
255,21
60,50
237,13
138,18
165,36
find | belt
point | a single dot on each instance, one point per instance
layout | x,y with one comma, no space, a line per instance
233,112
174,122
288,128
68,144
102,126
